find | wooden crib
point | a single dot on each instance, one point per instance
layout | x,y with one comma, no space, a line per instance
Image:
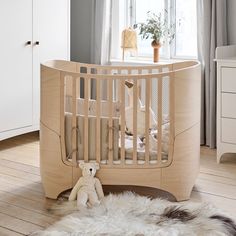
145,134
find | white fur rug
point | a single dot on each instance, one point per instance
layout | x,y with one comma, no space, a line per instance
132,215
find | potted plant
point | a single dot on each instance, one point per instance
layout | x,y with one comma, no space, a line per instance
156,28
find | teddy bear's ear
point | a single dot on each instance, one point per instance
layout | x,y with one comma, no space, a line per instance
97,166
81,165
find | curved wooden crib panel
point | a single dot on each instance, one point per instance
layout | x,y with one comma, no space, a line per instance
84,117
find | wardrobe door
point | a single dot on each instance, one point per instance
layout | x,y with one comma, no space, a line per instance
51,37
15,66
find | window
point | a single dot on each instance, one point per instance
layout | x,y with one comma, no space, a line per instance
180,13
186,29
138,14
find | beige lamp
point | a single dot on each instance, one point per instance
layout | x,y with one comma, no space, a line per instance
129,41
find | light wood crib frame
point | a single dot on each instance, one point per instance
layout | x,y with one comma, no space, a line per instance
63,80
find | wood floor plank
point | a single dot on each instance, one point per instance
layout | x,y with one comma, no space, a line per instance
19,174
34,186
228,173
18,225
28,160
217,179
19,166
28,138
224,169
25,203
22,191
8,232
227,191
26,215
18,151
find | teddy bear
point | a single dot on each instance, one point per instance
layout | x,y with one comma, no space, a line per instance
88,190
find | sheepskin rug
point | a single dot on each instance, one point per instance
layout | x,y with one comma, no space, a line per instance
133,215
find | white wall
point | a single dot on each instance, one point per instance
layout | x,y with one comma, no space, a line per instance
81,27
231,21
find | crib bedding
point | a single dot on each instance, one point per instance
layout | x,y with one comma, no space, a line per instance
141,149
92,137
116,141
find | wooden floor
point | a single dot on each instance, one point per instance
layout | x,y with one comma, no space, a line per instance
22,202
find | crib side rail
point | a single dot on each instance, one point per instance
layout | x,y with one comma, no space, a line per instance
98,115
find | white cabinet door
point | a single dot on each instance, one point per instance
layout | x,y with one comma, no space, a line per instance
52,32
15,64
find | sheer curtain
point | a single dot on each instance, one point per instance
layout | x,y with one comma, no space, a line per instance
212,32
101,38
101,32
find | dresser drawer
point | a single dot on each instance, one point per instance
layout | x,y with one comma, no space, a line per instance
228,108
228,79
228,130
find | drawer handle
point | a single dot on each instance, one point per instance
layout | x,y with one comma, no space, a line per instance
37,43
28,43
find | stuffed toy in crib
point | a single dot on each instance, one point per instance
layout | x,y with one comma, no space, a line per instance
88,190
141,114
141,119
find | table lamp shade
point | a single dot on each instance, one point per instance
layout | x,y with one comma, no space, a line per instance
129,40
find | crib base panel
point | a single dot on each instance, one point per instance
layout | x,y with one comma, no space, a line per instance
56,176
177,179
180,176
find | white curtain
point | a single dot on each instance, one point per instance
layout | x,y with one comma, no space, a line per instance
101,32
212,32
101,38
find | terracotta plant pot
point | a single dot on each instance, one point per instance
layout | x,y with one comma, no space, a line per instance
156,46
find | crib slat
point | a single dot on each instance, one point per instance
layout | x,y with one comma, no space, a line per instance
86,109
78,88
130,102
135,103
122,121
62,114
139,84
89,84
171,115
147,120
78,68
98,121
108,72
110,123
74,123
118,87
159,120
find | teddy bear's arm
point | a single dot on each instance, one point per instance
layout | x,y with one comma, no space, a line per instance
99,190
74,191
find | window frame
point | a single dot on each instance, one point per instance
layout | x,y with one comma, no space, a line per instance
170,5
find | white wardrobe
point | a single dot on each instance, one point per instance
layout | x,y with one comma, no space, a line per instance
31,32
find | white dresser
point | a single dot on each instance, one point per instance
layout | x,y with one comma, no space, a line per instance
226,100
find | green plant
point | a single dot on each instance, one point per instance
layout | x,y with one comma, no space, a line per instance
156,27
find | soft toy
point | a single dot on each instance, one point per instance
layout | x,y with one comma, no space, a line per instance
141,114
88,189
153,136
